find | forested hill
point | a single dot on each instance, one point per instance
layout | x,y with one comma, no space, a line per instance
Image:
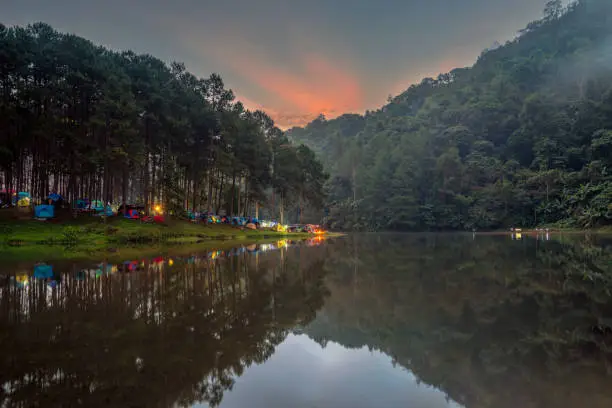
522,138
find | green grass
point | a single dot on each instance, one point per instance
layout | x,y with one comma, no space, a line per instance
93,231
118,238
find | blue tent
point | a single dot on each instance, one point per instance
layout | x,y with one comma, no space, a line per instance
54,197
81,204
44,211
43,271
97,205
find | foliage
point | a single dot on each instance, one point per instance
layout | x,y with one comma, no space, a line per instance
87,122
522,138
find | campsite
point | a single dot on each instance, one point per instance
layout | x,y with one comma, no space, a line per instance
87,227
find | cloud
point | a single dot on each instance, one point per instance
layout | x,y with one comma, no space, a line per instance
294,88
320,87
302,79
284,119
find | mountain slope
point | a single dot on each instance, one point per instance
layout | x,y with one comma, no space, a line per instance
524,137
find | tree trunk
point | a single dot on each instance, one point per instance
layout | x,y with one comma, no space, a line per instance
232,195
124,187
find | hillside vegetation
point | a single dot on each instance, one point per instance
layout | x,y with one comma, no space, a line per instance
522,138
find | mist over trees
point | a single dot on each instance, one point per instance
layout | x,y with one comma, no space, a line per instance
88,122
522,138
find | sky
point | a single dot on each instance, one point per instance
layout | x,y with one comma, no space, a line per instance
302,374
294,59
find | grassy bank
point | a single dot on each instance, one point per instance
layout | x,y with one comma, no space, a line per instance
94,232
86,238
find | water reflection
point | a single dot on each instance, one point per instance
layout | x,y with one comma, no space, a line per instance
151,332
424,321
303,374
490,321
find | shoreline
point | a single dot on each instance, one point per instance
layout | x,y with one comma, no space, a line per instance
27,240
550,231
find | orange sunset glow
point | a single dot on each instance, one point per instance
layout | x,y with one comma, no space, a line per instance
296,60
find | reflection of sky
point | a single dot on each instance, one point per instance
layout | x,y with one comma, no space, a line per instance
302,374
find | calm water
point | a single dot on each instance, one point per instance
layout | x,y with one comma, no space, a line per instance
420,321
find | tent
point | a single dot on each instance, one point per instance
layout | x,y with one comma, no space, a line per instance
44,211
97,205
108,211
81,204
130,207
132,214
55,200
54,197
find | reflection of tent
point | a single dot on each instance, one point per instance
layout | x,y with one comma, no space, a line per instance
43,271
22,279
44,211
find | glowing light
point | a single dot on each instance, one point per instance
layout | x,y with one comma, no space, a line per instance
170,261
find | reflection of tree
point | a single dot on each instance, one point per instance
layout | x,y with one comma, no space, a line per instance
492,322
151,338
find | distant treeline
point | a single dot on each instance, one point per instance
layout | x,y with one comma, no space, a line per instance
522,138
87,122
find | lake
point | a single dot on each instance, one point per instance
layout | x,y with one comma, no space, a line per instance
372,320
